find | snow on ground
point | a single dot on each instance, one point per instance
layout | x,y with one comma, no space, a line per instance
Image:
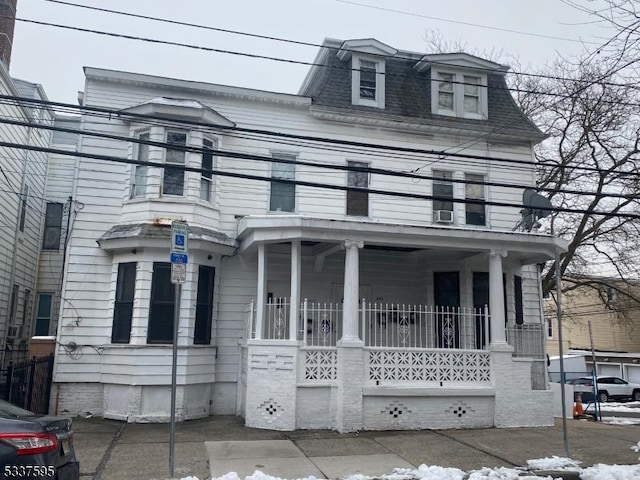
621,420
616,407
611,472
553,463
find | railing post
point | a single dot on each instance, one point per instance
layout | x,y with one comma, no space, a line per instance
305,307
364,316
487,332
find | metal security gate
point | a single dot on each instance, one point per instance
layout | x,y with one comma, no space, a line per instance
28,384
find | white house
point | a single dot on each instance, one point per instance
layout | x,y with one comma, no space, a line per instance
22,180
308,307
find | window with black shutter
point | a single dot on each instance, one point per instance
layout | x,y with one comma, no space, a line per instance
123,307
161,305
204,305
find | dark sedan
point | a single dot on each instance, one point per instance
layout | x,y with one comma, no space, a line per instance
35,446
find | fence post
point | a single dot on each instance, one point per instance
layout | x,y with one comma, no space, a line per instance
9,382
32,373
305,315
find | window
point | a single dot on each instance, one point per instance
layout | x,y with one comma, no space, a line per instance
517,292
459,95
206,178
52,226
357,202
123,306
368,82
23,207
283,195
43,314
139,186
475,212
25,306
161,305
549,322
173,178
442,192
204,305
13,309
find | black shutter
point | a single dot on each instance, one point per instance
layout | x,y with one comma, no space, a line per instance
517,291
204,305
161,305
123,307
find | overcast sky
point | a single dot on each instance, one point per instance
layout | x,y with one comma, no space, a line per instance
54,57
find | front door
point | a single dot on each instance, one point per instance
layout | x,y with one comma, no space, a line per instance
446,294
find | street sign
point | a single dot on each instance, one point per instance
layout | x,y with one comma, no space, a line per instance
178,273
179,236
179,257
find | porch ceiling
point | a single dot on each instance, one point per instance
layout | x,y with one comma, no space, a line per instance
526,248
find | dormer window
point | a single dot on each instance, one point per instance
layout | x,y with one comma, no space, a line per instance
458,94
368,82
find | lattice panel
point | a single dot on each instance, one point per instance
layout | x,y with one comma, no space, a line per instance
428,366
321,365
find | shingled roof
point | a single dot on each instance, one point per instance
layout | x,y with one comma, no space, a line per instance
408,96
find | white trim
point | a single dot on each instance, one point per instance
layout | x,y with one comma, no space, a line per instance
356,65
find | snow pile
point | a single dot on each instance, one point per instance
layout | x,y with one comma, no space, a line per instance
611,472
621,420
502,473
553,463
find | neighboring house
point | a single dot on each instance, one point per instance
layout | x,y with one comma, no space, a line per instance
60,209
22,180
616,337
307,307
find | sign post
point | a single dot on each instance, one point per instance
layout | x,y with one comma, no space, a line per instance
179,257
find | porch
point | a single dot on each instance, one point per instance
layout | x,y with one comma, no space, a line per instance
460,344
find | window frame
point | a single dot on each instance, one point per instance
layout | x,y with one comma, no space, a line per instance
202,327
164,303
57,225
458,90
140,171
210,180
467,206
119,331
23,208
354,194
184,163
356,82
274,180
38,318
450,183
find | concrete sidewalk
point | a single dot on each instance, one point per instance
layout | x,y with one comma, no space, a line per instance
110,450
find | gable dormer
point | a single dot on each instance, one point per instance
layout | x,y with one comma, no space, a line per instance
459,84
367,70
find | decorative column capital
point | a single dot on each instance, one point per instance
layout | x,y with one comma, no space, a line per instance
353,244
496,252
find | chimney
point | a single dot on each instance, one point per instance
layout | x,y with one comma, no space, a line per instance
7,22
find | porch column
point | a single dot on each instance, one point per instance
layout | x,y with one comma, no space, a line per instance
261,295
296,274
351,290
496,297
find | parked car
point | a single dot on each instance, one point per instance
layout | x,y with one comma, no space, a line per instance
36,446
608,388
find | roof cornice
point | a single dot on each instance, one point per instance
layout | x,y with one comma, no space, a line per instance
212,89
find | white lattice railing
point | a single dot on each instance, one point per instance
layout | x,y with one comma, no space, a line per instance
320,365
393,366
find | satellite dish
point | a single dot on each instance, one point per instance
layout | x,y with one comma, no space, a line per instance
535,207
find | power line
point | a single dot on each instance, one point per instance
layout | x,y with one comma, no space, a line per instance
319,45
468,24
439,154
347,168
262,178
290,61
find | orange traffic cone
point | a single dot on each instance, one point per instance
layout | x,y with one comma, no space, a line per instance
578,409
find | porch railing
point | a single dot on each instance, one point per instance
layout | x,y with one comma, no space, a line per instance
380,325
527,340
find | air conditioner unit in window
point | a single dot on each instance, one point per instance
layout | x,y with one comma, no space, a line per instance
443,216
14,331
